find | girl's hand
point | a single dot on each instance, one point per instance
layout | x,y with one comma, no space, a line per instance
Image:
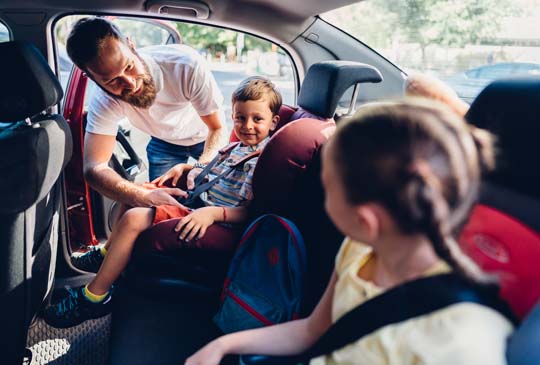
210,354
190,184
195,224
174,173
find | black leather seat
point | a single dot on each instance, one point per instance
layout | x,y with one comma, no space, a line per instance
34,148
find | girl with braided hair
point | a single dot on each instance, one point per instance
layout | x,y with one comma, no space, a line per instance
400,180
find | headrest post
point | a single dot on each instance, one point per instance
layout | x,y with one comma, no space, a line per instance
353,100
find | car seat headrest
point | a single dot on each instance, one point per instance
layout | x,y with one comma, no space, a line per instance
325,83
509,109
29,85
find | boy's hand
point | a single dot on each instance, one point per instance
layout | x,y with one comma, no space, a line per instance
210,354
174,173
192,176
195,224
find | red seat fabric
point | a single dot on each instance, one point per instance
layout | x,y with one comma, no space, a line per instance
501,244
285,158
502,235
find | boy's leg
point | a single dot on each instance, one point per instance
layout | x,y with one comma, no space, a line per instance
121,243
92,259
93,300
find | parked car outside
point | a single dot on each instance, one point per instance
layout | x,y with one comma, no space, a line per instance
469,83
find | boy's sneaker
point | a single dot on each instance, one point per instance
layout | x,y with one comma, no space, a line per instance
90,260
75,309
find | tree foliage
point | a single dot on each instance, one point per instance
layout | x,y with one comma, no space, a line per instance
215,40
442,22
446,22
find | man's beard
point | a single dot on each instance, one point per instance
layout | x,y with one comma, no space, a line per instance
146,97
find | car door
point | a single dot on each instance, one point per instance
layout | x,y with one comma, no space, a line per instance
89,213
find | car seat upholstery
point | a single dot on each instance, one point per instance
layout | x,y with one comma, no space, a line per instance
286,179
35,147
503,234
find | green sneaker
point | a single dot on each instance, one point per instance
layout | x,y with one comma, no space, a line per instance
88,261
75,309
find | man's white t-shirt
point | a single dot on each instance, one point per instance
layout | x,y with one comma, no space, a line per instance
185,90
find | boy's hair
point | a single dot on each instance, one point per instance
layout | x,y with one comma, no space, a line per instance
256,88
422,162
86,38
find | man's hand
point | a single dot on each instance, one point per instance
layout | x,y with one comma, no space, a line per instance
195,224
161,196
174,173
190,183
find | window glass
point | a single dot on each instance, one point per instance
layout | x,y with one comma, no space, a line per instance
4,33
467,43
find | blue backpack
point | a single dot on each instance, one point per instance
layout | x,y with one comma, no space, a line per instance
265,282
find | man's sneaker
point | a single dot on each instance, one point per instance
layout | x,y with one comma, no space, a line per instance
88,261
75,309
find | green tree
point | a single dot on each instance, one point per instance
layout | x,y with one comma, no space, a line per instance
444,22
215,39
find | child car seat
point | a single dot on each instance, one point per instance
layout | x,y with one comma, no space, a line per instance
503,232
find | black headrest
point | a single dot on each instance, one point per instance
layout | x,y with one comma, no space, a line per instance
28,84
510,109
326,82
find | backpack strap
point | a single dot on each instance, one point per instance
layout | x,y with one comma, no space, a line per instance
410,300
201,187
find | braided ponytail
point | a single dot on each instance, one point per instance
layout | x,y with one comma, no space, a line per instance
434,221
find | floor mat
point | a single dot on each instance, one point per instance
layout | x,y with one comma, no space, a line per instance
85,344
158,329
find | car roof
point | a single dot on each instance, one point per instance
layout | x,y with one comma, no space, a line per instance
247,15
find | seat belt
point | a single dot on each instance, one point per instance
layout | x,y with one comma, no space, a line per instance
201,187
410,300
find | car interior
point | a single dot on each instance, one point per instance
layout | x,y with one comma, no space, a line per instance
165,300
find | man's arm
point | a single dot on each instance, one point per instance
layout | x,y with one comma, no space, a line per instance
216,136
98,149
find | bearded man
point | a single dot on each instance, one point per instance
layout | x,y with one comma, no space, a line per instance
166,91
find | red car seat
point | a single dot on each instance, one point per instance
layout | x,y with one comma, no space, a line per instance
503,234
286,180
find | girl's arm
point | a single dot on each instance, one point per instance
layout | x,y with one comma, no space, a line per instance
289,338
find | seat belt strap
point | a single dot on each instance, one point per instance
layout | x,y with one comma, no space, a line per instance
202,187
410,300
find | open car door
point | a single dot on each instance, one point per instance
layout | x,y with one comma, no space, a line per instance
90,214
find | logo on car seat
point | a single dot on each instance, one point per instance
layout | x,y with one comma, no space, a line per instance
273,256
491,247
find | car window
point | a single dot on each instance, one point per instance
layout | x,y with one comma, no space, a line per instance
466,43
231,55
4,33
